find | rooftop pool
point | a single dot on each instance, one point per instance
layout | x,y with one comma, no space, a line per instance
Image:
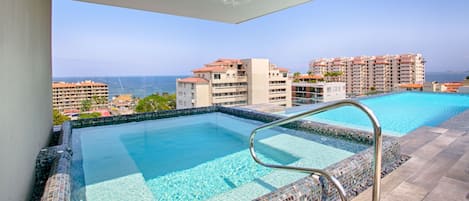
194,157
398,113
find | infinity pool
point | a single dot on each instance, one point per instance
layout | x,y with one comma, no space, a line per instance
398,113
198,157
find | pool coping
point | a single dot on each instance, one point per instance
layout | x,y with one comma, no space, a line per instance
59,183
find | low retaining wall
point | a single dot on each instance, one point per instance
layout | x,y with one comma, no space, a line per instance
354,172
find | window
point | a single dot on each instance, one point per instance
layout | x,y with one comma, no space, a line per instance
216,76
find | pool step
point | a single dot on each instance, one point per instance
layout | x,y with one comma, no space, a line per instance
306,150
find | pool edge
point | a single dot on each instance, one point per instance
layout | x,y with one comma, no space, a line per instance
59,183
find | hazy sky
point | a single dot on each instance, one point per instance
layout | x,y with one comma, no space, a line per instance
98,40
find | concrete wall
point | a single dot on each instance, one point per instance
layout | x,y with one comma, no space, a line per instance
202,95
25,85
258,83
183,95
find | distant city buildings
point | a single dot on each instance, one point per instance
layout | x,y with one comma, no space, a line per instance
123,104
310,89
364,74
69,97
450,87
234,82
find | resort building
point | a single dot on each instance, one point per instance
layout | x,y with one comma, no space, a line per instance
310,93
364,74
234,82
70,96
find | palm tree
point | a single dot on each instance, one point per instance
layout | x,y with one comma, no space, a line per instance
85,105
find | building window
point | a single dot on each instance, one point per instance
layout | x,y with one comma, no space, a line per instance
216,76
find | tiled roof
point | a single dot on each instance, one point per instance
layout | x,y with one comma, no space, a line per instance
193,80
210,69
283,69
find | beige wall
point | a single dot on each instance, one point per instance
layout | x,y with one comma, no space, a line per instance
202,95
258,83
25,85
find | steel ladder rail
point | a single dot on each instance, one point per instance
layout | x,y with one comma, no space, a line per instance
340,188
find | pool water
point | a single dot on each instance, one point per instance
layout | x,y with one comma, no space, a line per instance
398,113
198,157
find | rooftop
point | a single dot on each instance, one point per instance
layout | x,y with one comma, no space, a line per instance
77,84
193,80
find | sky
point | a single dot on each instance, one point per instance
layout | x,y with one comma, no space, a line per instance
98,40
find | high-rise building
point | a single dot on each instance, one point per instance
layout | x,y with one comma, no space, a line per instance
70,96
364,74
234,82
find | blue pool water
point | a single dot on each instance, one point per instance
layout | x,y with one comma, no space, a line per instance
398,113
195,157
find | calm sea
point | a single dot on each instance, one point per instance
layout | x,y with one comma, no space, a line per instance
146,85
137,86
445,76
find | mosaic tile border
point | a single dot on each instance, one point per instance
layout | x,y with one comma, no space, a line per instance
54,162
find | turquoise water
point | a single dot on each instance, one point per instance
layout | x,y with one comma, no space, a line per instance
182,157
196,157
398,113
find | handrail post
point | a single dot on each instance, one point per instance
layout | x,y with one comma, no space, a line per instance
377,165
377,146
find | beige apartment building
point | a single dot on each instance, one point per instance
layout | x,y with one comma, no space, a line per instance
234,82
363,74
69,96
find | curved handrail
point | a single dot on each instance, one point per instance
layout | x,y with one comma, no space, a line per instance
340,188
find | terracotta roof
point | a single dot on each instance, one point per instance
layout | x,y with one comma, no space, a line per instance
78,84
209,69
283,69
453,84
104,113
451,90
193,80
70,111
414,86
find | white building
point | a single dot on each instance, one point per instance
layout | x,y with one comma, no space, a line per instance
310,93
234,82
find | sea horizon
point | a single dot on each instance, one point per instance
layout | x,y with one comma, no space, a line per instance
142,86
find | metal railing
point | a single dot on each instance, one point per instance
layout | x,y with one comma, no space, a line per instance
340,188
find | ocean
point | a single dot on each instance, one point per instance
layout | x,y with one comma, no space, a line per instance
445,76
141,86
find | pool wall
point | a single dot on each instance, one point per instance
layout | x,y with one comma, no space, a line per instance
54,162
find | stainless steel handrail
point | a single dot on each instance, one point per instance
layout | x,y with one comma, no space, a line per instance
340,188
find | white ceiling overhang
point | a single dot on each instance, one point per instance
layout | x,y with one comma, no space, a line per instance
229,11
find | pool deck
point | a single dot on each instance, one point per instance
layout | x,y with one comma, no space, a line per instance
438,168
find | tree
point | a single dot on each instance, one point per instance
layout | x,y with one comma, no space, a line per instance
333,75
372,88
85,105
310,72
467,77
58,118
156,102
99,100
296,74
89,115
